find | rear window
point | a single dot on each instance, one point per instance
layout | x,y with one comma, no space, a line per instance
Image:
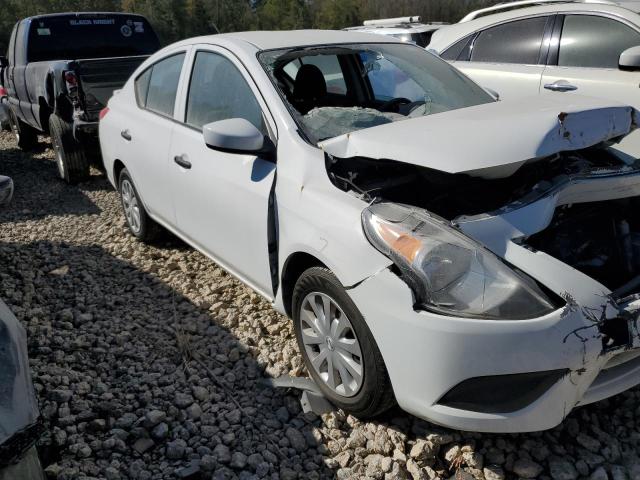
96,36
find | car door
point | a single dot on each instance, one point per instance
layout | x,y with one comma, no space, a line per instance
146,132
507,58
20,99
585,61
221,198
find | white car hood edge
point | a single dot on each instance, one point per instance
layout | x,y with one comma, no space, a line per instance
491,140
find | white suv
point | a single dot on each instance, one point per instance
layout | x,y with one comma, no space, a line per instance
554,49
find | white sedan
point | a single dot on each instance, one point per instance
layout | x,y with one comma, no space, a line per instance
475,261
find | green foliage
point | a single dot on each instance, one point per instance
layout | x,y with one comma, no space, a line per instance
176,19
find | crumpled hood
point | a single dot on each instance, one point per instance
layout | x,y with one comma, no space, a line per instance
491,140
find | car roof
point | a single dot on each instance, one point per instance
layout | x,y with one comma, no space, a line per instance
448,35
268,40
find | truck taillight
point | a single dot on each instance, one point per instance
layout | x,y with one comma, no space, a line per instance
3,92
103,112
71,80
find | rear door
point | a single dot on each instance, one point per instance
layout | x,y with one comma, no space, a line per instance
146,128
585,61
22,102
508,58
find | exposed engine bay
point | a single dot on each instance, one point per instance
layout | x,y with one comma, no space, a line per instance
600,239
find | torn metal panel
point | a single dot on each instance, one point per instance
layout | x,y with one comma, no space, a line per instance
520,132
534,211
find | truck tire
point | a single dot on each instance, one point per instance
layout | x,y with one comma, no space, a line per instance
73,166
26,135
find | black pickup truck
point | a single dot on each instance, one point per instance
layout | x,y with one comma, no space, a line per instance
59,72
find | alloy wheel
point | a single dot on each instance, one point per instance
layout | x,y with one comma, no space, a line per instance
331,344
130,205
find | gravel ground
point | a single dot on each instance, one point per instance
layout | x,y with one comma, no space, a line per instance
148,364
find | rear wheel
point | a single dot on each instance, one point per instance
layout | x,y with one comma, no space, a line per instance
71,160
337,346
26,136
140,224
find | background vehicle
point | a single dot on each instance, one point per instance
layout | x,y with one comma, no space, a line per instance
59,73
407,29
552,49
448,271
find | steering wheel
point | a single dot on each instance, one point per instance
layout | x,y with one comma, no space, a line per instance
394,104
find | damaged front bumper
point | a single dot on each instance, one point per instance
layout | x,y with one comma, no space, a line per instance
512,375
428,356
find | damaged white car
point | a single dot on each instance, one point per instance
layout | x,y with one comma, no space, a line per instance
476,261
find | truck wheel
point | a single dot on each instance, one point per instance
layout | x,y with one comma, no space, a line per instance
337,346
73,166
26,135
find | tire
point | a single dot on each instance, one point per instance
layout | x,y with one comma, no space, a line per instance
73,166
371,394
26,136
140,224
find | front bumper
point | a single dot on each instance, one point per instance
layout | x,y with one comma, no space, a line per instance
427,355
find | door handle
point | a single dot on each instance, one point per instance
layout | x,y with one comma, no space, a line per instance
560,86
183,162
126,135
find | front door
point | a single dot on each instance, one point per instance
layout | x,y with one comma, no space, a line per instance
508,58
221,198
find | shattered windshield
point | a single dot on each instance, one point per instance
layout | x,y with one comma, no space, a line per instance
337,89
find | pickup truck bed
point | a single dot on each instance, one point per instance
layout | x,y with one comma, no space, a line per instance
60,72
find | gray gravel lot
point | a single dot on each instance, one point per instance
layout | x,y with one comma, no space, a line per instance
148,360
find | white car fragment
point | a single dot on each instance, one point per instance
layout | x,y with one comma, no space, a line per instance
478,262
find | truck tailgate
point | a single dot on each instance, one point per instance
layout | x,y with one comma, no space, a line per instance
99,77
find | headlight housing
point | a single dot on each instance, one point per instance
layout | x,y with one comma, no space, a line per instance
448,272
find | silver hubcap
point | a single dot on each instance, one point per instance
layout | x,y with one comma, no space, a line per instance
331,344
130,204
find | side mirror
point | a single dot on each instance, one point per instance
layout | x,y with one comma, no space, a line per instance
630,59
235,135
3,61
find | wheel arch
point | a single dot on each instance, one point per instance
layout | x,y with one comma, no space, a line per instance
118,166
294,266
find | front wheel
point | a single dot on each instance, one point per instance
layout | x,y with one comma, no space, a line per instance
71,160
337,346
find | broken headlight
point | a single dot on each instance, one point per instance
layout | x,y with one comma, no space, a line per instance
448,272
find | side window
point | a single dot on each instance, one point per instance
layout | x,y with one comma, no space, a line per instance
142,87
218,91
459,50
514,42
156,88
592,41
